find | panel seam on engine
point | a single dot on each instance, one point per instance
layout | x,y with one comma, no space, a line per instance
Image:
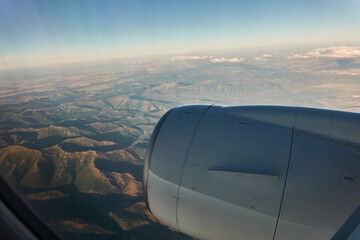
286,176
183,166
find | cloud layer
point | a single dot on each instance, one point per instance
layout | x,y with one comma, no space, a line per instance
184,58
210,58
263,58
340,52
260,59
228,60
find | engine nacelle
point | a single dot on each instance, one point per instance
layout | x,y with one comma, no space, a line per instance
254,172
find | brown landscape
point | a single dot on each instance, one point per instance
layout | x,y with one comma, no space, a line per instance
73,147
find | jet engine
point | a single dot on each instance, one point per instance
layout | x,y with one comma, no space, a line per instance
254,172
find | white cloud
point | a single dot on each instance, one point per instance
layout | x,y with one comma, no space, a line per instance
228,60
261,59
133,62
331,52
266,55
184,58
209,58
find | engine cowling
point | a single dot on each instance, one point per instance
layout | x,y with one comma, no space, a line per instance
253,172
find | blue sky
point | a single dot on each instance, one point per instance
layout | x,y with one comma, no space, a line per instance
69,29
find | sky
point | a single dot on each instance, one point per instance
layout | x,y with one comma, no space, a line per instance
68,30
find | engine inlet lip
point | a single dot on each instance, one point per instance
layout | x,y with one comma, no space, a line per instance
148,157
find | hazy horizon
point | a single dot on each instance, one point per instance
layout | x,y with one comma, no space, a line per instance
42,32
